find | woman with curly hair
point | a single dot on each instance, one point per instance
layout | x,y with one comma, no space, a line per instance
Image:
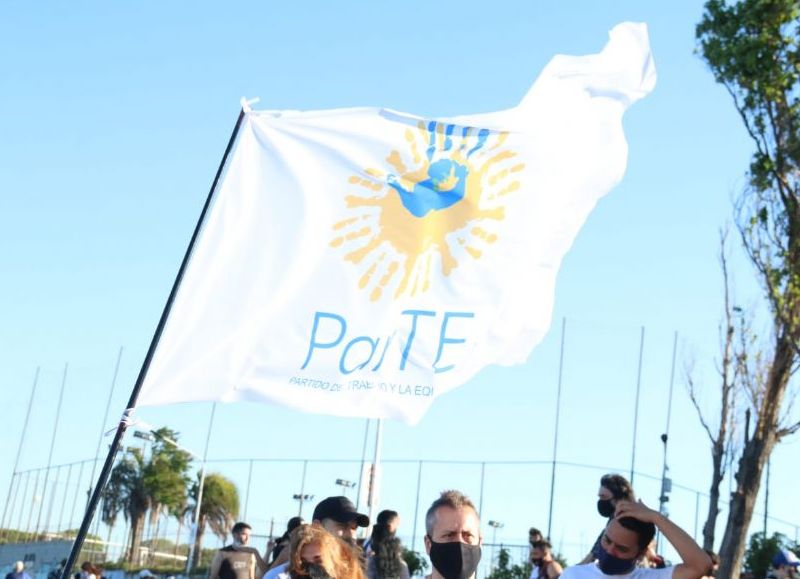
315,553
387,561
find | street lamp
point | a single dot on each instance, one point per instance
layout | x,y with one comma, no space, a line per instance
302,498
345,484
495,525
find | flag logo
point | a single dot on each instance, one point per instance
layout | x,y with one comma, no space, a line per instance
440,201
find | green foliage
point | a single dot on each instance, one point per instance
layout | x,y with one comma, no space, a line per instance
139,484
759,553
417,564
166,473
125,491
752,49
219,505
505,570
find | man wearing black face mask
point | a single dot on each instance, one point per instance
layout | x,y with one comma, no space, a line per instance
613,489
625,541
453,539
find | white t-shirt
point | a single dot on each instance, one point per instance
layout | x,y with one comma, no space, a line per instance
535,572
279,572
592,571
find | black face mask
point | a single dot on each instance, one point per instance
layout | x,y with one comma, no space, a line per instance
611,565
315,571
455,560
605,508
538,561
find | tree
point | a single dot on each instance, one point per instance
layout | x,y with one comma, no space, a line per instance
165,476
758,557
138,485
126,492
721,434
505,570
751,48
219,506
417,565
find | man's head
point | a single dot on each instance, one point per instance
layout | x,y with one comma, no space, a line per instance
339,517
626,538
19,566
241,533
786,564
534,535
453,536
616,487
389,518
613,488
541,552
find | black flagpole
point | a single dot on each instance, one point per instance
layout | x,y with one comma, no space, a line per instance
115,445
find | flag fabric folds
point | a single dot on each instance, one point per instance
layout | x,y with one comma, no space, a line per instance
363,262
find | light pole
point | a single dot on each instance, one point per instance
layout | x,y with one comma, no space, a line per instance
494,525
345,484
302,498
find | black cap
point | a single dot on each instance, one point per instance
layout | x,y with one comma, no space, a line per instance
341,510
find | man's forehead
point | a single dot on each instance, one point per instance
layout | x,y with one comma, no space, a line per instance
448,518
622,536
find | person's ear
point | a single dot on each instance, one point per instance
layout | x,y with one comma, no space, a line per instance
427,541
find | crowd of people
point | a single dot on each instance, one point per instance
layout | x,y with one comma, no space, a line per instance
327,547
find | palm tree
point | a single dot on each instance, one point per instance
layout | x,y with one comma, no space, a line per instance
218,508
137,486
126,492
165,479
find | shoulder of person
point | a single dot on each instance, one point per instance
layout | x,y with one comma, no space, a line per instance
278,572
652,573
582,571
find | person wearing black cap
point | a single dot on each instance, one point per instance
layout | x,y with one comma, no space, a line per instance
339,517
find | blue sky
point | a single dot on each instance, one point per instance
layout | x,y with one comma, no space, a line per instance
113,118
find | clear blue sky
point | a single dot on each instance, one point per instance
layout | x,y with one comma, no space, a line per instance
113,118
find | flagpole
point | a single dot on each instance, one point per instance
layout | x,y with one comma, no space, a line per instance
19,452
376,461
123,423
363,461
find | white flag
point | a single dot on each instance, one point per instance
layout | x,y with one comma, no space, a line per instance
362,262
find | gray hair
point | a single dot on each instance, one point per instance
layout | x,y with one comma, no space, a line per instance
453,499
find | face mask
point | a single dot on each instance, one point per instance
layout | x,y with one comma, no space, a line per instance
605,508
315,571
455,560
537,561
611,565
